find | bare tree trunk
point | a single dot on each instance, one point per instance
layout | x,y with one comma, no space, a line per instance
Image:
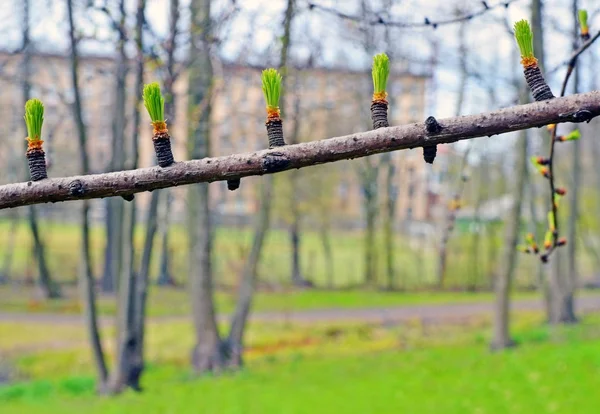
450,215
248,277
368,178
49,289
294,230
449,224
483,181
132,294
563,283
326,243
249,273
164,271
114,214
388,219
5,274
538,46
294,233
163,196
208,353
501,334
86,280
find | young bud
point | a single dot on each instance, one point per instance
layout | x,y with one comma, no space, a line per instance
545,171
539,161
561,191
562,241
573,136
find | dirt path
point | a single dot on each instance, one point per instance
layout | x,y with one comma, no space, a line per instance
430,313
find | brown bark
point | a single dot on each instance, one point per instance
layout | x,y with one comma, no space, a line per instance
575,108
86,281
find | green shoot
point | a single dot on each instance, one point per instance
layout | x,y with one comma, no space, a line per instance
380,72
34,118
154,102
271,85
524,37
583,21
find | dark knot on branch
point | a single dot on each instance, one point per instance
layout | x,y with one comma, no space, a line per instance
432,126
76,188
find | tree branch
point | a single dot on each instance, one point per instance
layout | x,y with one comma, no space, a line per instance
575,108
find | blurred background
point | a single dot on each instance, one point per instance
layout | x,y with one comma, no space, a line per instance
364,286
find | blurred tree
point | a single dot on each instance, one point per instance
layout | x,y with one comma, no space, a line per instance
49,289
115,205
129,362
208,353
86,279
249,272
570,280
503,279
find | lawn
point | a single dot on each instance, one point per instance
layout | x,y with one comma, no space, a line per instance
360,370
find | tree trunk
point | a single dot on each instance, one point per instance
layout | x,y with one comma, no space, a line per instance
208,354
294,230
249,274
165,278
114,214
564,283
163,196
86,279
248,277
5,274
388,219
442,258
297,278
369,186
49,289
329,266
132,294
501,335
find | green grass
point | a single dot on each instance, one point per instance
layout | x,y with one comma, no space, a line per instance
365,370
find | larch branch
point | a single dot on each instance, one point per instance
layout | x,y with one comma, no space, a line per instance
575,108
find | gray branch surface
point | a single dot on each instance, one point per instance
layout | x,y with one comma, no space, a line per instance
575,108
